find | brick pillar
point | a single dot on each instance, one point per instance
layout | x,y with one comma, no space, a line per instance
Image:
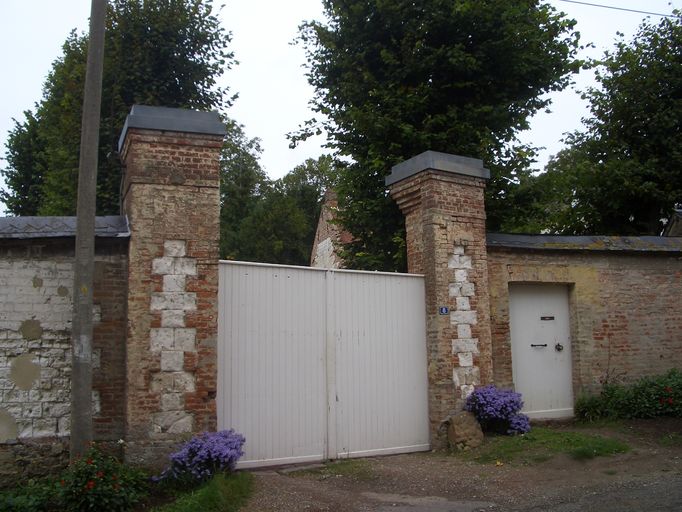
441,196
171,197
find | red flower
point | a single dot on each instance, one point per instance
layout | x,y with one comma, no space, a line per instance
670,401
668,389
62,483
89,461
99,474
90,484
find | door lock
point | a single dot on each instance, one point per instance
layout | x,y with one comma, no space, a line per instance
558,347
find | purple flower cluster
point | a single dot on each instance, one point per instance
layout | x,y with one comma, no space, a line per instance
204,455
497,410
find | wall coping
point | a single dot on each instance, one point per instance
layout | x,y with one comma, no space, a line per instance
172,120
585,243
111,226
434,160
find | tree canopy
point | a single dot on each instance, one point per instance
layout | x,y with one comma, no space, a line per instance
621,175
272,221
167,53
395,78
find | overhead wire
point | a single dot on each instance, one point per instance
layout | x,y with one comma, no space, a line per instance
613,7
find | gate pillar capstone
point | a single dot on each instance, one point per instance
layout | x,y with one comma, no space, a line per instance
441,196
171,196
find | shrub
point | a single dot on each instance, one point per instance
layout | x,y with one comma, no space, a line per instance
203,456
99,482
497,410
649,397
36,496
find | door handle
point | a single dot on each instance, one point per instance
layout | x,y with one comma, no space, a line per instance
538,345
558,347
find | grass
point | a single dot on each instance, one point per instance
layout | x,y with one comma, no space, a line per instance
541,444
223,493
357,469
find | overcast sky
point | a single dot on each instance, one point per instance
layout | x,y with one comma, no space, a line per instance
273,92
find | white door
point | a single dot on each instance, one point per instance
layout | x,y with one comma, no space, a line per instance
541,349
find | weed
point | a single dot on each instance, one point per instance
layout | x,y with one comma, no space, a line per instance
541,444
223,492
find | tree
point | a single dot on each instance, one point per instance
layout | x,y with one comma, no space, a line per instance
622,175
396,78
167,53
273,221
242,185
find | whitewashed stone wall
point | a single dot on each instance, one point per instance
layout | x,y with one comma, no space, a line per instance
35,347
465,375
173,339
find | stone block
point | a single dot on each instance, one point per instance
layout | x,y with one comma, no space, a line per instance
463,317
164,420
463,331
174,248
182,426
163,265
172,318
461,275
161,338
172,360
173,283
465,345
459,262
172,402
463,303
185,339
465,359
185,301
185,266
455,290
183,382
468,290
464,431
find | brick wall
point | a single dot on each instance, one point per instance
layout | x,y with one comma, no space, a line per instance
36,280
626,318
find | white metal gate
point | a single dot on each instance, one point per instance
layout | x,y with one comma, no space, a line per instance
317,364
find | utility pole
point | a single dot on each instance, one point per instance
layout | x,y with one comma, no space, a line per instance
81,334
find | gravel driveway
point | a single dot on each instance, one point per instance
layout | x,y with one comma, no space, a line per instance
647,478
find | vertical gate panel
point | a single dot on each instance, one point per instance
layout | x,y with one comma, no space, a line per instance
381,380
271,371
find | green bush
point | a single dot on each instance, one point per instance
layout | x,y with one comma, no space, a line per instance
649,397
33,497
99,482
94,482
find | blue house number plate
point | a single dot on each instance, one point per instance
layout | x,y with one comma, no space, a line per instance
443,310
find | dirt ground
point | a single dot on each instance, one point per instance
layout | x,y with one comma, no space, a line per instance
647,478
